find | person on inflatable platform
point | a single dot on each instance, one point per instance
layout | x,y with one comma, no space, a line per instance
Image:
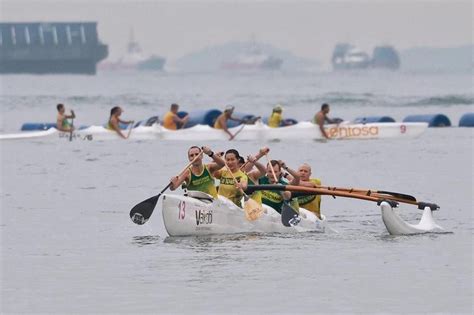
199,175
62,123
275,199
228,187
276,118
114,121
321,118
171,119
310,202
221,121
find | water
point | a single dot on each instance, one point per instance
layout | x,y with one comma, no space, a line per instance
68,245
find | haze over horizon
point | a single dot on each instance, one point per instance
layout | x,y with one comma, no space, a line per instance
309,29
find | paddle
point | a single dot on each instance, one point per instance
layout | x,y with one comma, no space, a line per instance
130,130
238,131
143,211
374,197
289,216
253,210
369,192
72,128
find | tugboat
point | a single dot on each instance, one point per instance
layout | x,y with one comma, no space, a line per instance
40,48
348,57
135,59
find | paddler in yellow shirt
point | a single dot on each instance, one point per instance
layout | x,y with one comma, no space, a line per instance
171,119
310,202
199,175
254,175
276,118
228,187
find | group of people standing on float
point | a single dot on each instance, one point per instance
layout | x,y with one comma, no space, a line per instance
235,174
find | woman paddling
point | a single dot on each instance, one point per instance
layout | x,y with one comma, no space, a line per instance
114,121
228,187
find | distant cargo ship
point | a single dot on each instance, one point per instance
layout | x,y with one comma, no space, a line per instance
134,59
41,48
348,57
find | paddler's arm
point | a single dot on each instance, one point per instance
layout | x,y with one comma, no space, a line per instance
183,120
176,181
223,123
115,126
308,184
127,122
296,177
218,161
72,116
249,165
259,172
320,122
242,184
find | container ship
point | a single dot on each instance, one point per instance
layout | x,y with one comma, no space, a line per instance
50,47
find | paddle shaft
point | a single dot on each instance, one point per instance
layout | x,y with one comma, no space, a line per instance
238,131
271,167
371,192
235,180
321,191
130,130
72,128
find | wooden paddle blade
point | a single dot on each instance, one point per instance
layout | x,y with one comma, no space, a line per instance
142,211
253,210
288,215
398,195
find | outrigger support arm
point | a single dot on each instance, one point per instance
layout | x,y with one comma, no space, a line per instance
374,196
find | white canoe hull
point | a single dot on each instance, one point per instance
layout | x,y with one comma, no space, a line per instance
186,216
88,134
259,131
397,226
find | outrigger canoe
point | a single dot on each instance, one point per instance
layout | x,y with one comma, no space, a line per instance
199,214
256,132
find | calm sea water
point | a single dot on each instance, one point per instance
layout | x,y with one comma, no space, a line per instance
68,245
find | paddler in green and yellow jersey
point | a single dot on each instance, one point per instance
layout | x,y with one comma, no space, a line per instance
254,175
199,175
310,202
275,199
228,187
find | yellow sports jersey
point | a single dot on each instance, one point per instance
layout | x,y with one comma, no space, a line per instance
312,202
274,120
168,121
227,185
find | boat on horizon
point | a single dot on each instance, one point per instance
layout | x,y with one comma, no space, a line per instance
348,57
253,59
134,59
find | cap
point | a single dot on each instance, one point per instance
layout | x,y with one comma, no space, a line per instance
278,108
229,108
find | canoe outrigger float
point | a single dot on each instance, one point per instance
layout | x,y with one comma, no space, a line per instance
257,131
199,214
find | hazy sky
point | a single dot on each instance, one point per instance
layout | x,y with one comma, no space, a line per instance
307,28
